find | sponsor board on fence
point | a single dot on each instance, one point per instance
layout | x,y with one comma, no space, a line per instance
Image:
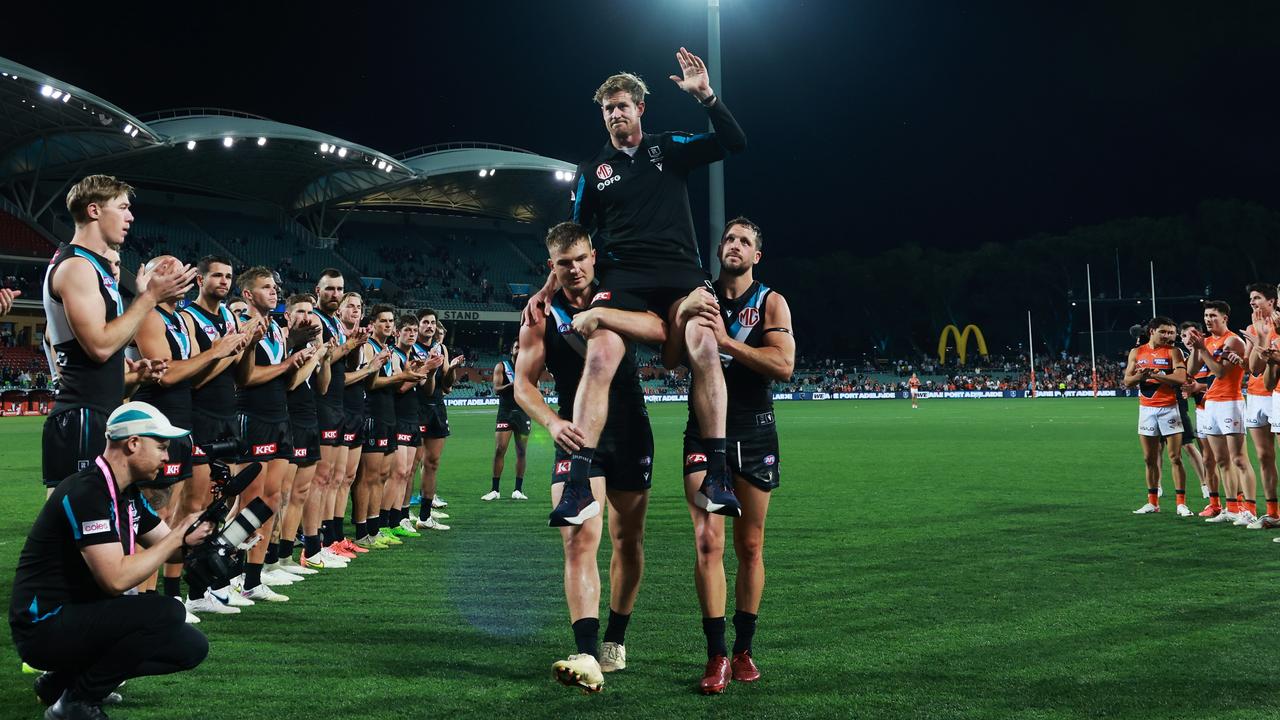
888,395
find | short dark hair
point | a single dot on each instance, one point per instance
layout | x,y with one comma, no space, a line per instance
202,266
1220,305
1266,290
379,309
1188,324
407,320
428,311
300,298
1160,321
744,222
565,235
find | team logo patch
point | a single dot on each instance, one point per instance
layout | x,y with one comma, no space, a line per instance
172,469
403,438
564,328
93,527
504,426
422,428
748,317
300,453
328,434
694,459
605,171
267,449
83,464
605,295
646,461
348,437
655,151
562,467
770,459
197,452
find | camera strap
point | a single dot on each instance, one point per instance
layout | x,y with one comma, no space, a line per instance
115,502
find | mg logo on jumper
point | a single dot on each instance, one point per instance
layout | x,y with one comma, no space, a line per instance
604,171
748,317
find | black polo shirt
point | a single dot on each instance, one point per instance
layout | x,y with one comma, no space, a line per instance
637,206
85,509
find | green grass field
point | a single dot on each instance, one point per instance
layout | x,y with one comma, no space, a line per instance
973,559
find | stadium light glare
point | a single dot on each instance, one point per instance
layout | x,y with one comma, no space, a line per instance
228,142
382,164
191,144
66,97
484,173
560,175
388,167
262,141
134,133
57,94
342,152
127,128
324,147
46,91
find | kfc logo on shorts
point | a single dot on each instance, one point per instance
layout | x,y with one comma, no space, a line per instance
260,450
172,469
562,467
422,428
92,527
770,459
694,459
605,171
748,317
384,442
606,295
328,434
402,438
300,453
504,426
348,437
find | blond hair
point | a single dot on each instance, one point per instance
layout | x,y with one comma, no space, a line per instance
623,82
94,190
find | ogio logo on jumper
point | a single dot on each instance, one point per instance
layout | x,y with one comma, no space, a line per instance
562,467
92,527
606,295
604,171
300,453
267,449
695,458
748,317
172,469
328,434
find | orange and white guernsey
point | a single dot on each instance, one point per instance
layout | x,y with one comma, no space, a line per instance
1227,386
1256,387
1152,393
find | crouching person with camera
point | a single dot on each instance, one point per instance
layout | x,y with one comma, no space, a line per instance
94,540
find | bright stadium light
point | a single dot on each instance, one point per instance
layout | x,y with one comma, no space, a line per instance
484,173
324,147
46,90
66,97
388,167
382,164
127,128
560,175
57,94
262,141
191,144
342,152
227,142
492,172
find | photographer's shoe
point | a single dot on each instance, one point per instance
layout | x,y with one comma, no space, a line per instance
232,596
264,592
68,709
210,603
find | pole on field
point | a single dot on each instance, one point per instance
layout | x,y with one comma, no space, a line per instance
1093,356
1031,353
1153,288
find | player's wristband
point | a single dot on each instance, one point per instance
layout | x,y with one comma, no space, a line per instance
778,329
709,101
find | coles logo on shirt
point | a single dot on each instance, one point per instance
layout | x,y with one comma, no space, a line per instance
604,171
92,527
562,467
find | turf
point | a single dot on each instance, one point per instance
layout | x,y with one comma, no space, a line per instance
972,559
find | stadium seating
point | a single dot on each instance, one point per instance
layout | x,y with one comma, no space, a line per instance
19,238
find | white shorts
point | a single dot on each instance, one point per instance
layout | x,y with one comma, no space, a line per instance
1159,421
914,392
1202,421
1223,417
1275,416
1257,411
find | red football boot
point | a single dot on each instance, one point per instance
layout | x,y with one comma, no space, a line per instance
744,668
716,677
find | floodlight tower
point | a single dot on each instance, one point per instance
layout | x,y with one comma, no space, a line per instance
716,183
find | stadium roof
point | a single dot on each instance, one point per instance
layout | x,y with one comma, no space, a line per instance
52,133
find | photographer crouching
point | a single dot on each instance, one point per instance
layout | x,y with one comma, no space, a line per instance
69,613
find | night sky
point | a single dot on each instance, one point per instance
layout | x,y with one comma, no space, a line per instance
870,123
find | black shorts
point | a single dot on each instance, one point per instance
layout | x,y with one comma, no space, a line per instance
206,429
178,466
72,439
330,425
304,445
352,430
624,455
751,444
264,441
408,433
513,420
379,436
629,290
435,418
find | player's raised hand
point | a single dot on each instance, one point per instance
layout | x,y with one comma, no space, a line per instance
167,282
456,360
1196,338
694,79
538,307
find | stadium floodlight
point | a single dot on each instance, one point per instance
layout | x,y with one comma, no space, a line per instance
324,147
382,164
191,144
66,97
134,133
484,173
262,141
228,142
127,128
492,172
388,167
342,152
57,94
46,90
560,175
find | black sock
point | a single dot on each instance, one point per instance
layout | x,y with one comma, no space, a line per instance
252,575
339,529
744,629
586,633
424,507
713,628
362,530
286,549
717,458
616,630
519,483
173,586
311,545
273,553
326,532
496,481
580,466
384,519
372,524
196,590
